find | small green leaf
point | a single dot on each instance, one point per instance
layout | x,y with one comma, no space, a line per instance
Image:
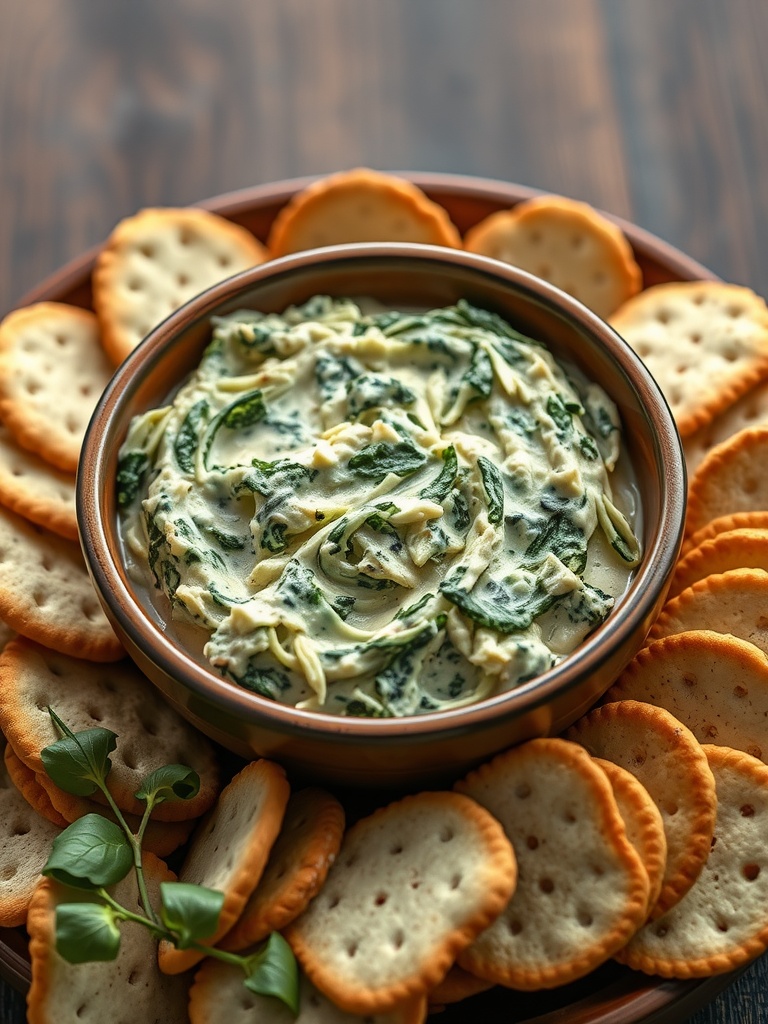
79,761
92,853
86,932
171,782
273,972
191,912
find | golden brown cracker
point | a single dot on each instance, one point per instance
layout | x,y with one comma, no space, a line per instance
582,889
751,410
52,373
567,243
457,986
158,259
705,342
25,780
730,479
668,760
720,924
35,489
310,837
360,205
230,849
734,549
724,524
414,883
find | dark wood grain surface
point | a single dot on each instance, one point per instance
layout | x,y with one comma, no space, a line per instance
655,111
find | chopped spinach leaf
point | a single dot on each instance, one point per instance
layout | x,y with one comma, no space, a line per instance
564,539
506,605
376,460
244,412
370,391
130,473
441,486
188,437
494,489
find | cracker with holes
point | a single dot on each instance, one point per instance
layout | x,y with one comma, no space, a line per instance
46,593
309,840
715,684
52,372
455,987
643,822
582,889
567,243
668,760
730,479
230,849
720,924
413,885
751,410
218,994
35,489
360,205
705,342
25,780
731,602
724,524
122,991
117,697
157,260
25,842
733,549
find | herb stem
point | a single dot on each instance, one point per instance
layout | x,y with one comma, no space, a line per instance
128,915
135,841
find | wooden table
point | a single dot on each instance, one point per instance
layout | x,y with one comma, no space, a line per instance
654,111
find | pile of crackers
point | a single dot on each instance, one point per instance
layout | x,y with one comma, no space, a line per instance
640,835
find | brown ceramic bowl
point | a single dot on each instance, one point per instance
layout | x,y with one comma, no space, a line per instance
398,753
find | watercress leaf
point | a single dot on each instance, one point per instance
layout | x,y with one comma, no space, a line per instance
171,782
191,912
91,853
86,932
273,972
78,761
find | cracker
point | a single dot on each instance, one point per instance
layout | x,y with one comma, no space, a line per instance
721,923
46,593
732,602
705,342
457,986
668,760
582,889
730,479
120,991
27,783
157,260
643,822
360,205
117,697
218,994
734,549
716,685
25,842
724,524
230,848
567,243
413,885
309,840
52,373
35,489
751,410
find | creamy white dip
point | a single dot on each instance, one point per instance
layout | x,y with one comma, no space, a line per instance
383,514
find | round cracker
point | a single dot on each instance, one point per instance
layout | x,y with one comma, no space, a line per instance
730,602
120,991
360,205
35,489
230,849
298,863
27,783
720,924
668,760
730,479
643,822
46,593
582,889
457,986
725,524
734,549
218,993
52,372
567,243
705,342
751,410
716,685
414,883
86,695
158,259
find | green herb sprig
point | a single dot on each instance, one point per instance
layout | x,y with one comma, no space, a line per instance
95,853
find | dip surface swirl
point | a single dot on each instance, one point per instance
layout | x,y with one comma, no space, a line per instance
380,514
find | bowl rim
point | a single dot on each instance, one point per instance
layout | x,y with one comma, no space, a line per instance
121,605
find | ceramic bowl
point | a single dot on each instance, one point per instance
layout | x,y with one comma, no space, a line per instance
407,752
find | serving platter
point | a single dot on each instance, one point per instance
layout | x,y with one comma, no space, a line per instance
612,994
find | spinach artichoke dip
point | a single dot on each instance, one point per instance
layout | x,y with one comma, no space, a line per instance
383,513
